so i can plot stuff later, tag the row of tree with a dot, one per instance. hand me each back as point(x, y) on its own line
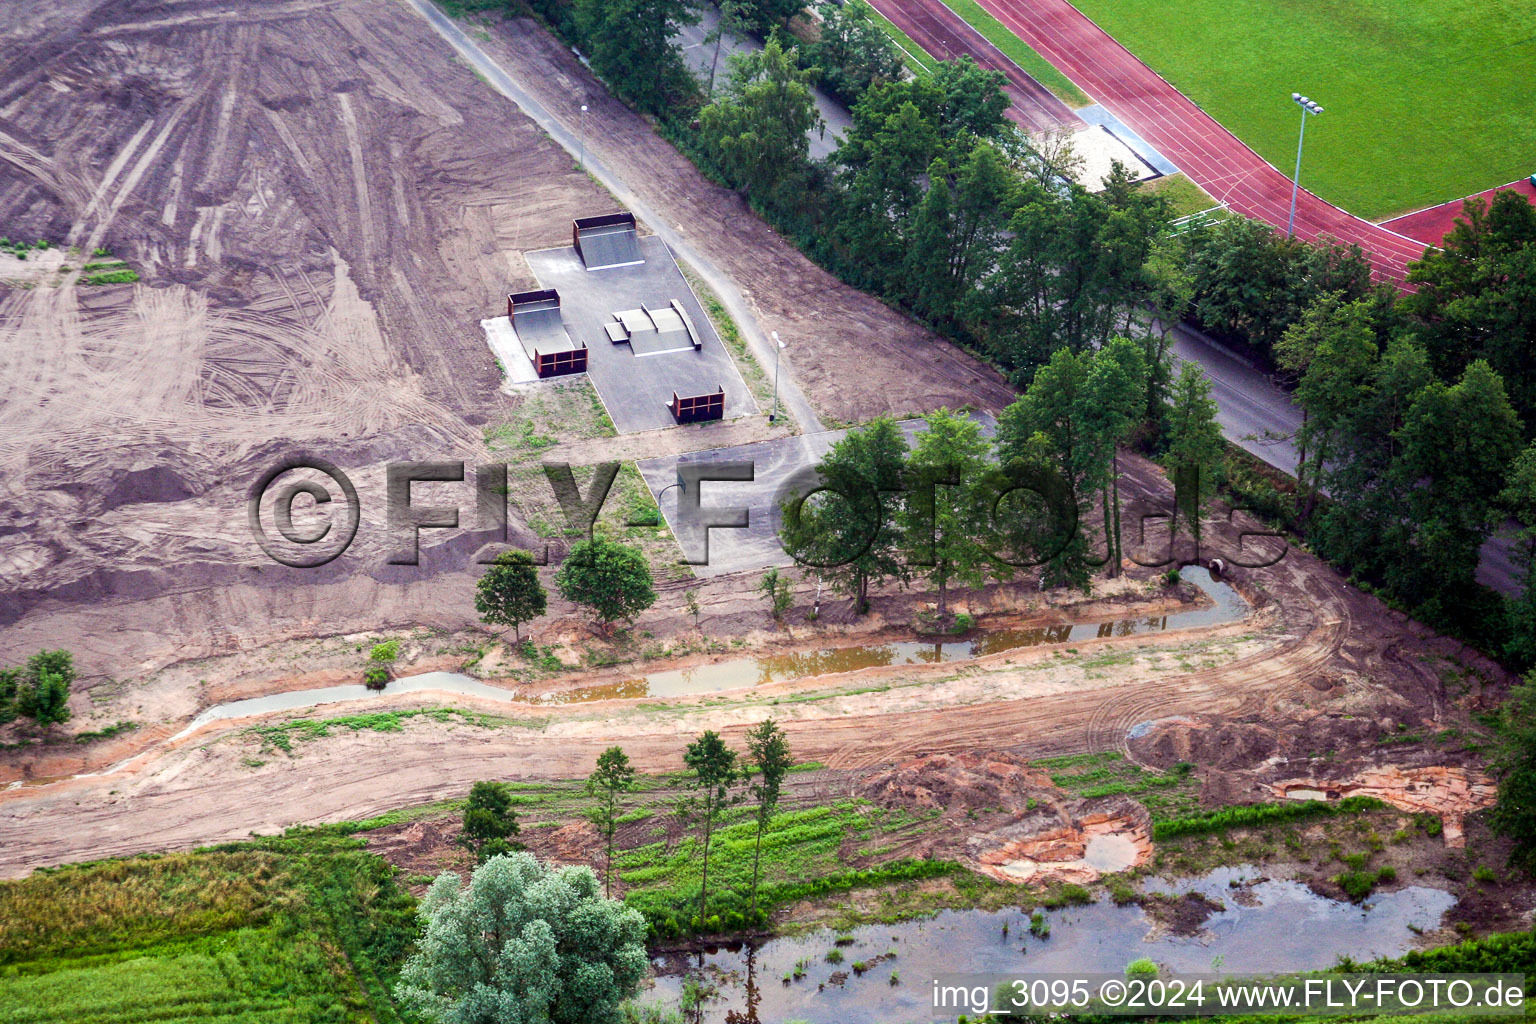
point(611, 580)
point(959, 508)
point(1418, 412)
point(719, 778)
point(39, 690)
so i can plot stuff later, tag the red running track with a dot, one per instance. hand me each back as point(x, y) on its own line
point(1185, 134)
point(1431, 225)
point(946, 35)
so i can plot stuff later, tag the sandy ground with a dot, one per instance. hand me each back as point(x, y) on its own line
point(1318, 666)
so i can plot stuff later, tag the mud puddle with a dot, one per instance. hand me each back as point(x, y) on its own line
point(1227, 606)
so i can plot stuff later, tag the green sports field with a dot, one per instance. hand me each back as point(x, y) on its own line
point(1427, 100)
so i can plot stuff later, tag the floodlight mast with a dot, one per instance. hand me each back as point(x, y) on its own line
point(1307, 107)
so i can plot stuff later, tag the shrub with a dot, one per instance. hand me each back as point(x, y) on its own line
point(1252, 815)
point(1484, 874)
point(834, 955)
point(964, 622)
point(376, 677)
point(389, 650)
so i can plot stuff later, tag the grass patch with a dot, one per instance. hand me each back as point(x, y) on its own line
point(1020, 52)
point(803, 858)
point(107, 733)
point(282, 736)
point(1168, 795)
point(1183, 195)
point(1425, 102)
point(277, 930)
point(124, 276)
point(751, 370)
point(1257, 815)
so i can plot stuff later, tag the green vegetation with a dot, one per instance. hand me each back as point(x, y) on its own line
point(124, 276)
point(776, 589)
point(1378, 149)
point(1167, 795)
point(387, 651)
point(800, 860)
point(613, 777)
point(308, 928)
point(39, 690)
point(489, 824)
point(1020, 52)
point(510, 594)
point(611, 579)
point(106, 733)
point(558, 953)
point(1253, 815)
point(282, 736)
point(375, 677)
point(1183, 196)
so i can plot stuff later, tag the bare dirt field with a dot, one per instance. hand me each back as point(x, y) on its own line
point(322, 203)
point(1316, 668)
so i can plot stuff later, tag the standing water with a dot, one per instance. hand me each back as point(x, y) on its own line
point(1280, 926)
point(1227, 606)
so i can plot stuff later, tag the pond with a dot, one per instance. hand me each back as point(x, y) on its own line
point(1267, 926)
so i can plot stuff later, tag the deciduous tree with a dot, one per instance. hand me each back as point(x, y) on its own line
point(490, 824)
point(510, 594)
point(714, 772)
point(613, 777)
point(523, 943)
point(768, 753)
point(945, 510)
point(611, 579)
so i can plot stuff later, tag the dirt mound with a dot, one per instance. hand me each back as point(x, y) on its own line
point(576, 843)
point(421, 849)
point(1448, 792)
point(1074, 842)
point(1203, 741)
point(958, 782)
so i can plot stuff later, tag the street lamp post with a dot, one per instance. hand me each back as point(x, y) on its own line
point(581, 140)
point(778, 346)
point(1307, 108)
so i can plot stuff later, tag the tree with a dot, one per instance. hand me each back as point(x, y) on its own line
point(732, 20)
point(610, 578)
point(852, 52)
point(1332, 350)
point(1112, 394)
point(846, 532)
point(956, 232)
point(510, 594)
point(765, 15)
point(714, 771)
point(1044, 429)
point(1476, 296)
point(1194, 440)
point(490, 823)
point(775, 587)
point(10, 684)
point(1519, 499)
point(972, 97)
point(946, 509)
point(758, 134)
point(630, 44)
point(768, 751)
point(42, 688)
point(523, 943)
point(613, 777)
point(1457, 444)
point(1514, 814)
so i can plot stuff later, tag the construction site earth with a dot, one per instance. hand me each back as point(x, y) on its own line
point(323, 201)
